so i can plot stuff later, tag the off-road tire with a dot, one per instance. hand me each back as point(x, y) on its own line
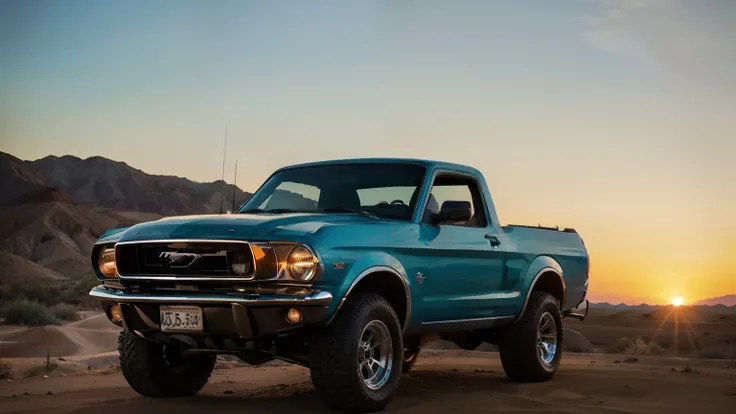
point(147, 371)
point(409, 358)
point(333, 356)
point(518, 343)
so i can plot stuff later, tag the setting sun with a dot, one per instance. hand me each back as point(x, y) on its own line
point(677, 301)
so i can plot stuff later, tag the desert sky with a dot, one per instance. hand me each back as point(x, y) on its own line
point(614, 117)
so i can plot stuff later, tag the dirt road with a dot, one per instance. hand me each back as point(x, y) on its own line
point(441, 382)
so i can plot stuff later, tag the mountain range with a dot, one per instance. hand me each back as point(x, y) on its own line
point(53, 209)
point(728, 300)
point(112, 184)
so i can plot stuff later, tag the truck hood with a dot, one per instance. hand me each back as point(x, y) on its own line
point(272, 227)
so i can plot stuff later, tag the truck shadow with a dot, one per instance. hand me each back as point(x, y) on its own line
point(417, 388)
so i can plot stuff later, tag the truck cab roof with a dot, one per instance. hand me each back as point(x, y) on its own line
point(430, 164)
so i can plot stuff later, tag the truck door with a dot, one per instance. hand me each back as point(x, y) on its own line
point(465, 260)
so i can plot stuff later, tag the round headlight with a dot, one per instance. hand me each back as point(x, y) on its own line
point(302, 264)
point(106, 262)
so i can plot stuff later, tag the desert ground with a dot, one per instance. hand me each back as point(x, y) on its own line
point(689, 372)
point(443, 381)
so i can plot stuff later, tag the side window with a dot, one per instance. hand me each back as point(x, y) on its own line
point(292, 196)
point(457, 188)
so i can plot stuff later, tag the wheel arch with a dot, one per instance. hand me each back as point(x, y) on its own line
point(387, 282)
point(547, 277)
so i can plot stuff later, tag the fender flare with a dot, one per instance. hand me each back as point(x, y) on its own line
point(549, 266)
point(375, 269)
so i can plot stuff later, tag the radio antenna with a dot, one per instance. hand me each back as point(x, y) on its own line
point(235, 183)
point(222, 181)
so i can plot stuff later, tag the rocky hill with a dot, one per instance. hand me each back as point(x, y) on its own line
point(112, 184)
point(52, 210)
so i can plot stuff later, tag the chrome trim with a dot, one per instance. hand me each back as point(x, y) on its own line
point(482, 319)
point(182, 241)
point(187, 278)
point(374, 269)
point(534, 282)
point(243, 278)
point(471, 324)
point(319, 298)
point(251, 277)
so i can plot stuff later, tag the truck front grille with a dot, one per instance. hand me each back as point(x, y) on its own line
point(188, 260)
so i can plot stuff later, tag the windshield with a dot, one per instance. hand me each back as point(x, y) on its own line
point(388, 190)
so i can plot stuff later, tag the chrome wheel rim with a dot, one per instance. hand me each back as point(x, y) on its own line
point(547, 340)
point(375, 355)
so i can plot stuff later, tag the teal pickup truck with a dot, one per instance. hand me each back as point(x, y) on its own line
point(346, 267)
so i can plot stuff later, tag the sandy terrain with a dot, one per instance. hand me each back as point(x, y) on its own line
point(445, 381)
point(89, 336)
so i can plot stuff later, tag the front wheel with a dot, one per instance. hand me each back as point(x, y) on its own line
point(531, 349)
point(159, 371)
point(355, 363)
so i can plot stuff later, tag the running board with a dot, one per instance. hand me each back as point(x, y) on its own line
point(578, 312)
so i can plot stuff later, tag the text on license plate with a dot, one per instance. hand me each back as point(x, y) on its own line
point(181, 318)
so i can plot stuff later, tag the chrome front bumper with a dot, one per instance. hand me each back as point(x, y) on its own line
point(319, 298)
point(247, 316)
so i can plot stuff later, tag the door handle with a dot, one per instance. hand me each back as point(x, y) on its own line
point(493, 240)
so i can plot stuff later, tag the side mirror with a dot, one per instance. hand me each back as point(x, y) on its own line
point(452, 211)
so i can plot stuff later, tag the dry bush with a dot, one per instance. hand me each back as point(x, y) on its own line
point(65, 312)
point(25, 312)
point(638, 346)
point(75, 292)
point(54, 368)
point(5, 371)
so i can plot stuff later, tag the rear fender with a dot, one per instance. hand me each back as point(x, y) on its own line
point(540, 266)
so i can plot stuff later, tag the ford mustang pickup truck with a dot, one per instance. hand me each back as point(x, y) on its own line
point(346, 267)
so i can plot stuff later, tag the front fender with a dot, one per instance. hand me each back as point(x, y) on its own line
point(539, 266)
point(364, 266)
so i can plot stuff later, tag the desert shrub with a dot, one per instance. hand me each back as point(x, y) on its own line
point(53, 368)
point(5, 371)
point(74, 292)
point(25, 312)
point(638, 346)
point(65, 312)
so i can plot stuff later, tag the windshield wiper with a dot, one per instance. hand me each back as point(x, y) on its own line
point(273, 211)
point(350, 210)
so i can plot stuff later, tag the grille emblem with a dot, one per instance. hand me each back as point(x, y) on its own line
point(420, 277)
point(179, 260)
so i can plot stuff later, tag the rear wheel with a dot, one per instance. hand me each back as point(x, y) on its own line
point(531, 349)
point(158, 371)
point(355, 363)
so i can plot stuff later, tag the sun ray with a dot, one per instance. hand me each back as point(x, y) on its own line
point(659, 328)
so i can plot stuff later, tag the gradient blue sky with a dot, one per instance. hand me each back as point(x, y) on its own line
point(617, 117)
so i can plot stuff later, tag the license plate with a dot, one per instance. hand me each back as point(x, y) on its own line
point(181, 318)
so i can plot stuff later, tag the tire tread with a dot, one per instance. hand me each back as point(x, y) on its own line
point(517, 345)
